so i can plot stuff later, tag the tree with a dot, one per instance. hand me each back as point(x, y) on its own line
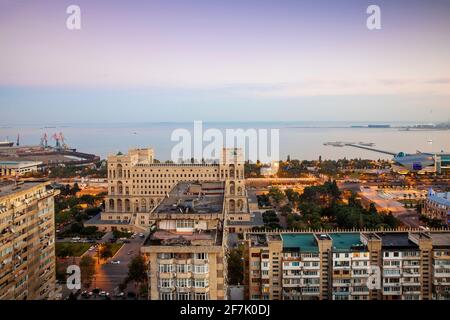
point(87, 268)
point(106, 251)
point(235, 266)
point(276, 195)
point(137, 271)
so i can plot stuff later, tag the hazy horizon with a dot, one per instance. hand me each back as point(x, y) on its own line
point(171, 61)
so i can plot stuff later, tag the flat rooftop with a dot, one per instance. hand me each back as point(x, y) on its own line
point(396, 240)
point(347, 242)
point(193, 198)
point(212, 237)
point(440, 239)
point(303, 242)
point(9, 187)
point(256, 220)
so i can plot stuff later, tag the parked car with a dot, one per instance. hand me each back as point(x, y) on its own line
point(103, 294)
point(115, 262)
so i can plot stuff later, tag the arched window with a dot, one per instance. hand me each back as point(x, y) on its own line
point(119, 205)
point(232, 188)
point(127, 205)
point(120, 187)
point(232, 206)
point(136, 205)
point(240, 205)
point(119, 171)
point(232, 173)
point(111, 204)
point(143, 205)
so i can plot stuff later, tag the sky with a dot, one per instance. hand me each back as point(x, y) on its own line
point(234, 60)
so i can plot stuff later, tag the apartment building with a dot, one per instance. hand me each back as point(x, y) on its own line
point(186, 248)
point(440, 266)
point(137, 184)
point(350, 267)
point(394, 265)
point(27, 241)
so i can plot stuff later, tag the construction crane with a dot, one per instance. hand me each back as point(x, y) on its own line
point(63, 142)
point(60, 141)
point(44, 141)
point(57, 139)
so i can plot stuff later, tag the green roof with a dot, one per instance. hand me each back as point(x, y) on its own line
point(304, 242)
point(346, 241)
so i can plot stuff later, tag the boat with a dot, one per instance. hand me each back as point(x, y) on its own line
point(6, 143)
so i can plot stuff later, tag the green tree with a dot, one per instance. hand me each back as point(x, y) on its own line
point(235, 266)
point(137, 271)
point(276, 195)
point(106, 251)
point(87, 268)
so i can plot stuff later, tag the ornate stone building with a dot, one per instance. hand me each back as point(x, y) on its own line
point(137, 184)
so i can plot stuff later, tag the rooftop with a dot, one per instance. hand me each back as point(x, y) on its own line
point(211, 237)
point(256, 220)
point(397, 240)
point(193, 198)
point(442, 198)
point(303, 242)
point(440, 239)
point(347, 241)
point(9, 187)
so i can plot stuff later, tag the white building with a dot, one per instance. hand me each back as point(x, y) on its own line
point(13, 168)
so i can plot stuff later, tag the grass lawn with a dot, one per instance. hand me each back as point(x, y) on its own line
point(68, 249)
point(116, 247)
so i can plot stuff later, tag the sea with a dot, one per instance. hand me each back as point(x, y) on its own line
point(298, 139)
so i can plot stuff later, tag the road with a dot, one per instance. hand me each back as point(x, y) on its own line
point(108, 276)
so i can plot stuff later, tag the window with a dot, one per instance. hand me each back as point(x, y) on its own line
point(166, 296)
point(201, 283)
point(183, 268)
point(201, 256)
point(165, 268)
point(165, 283)
point(202, 268)
point(201, 296)
point(183, 283)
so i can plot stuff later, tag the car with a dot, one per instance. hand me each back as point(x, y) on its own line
point(120, 295)
point(130, 252)
point(96, 291)
point(141, 235)
point(115, 261)
point(103, 294)
point(76, 239)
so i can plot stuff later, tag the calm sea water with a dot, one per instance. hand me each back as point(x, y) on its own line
point(301, 140)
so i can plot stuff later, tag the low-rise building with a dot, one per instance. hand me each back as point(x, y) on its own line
point(437, 206)
point(18, 168)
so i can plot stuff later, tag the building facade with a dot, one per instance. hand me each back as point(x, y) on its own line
point(137, 184)
point(395, 265)
point(18, 168)
point(437, 206)
point(186, 248)
point(27, 241)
